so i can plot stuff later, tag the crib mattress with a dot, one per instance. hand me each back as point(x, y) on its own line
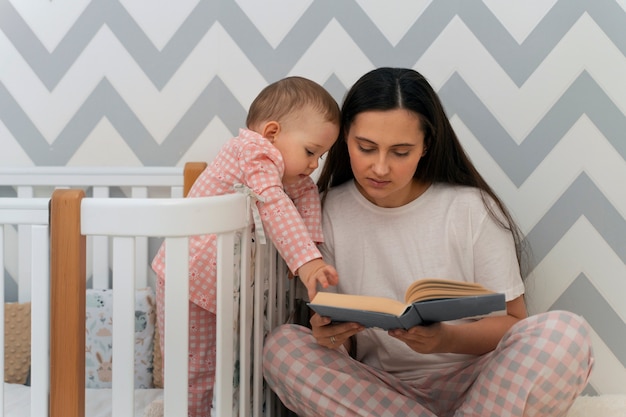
point(97, 401)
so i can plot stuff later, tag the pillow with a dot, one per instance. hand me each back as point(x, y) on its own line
point(98, 337)
point(157, 361)
point(16, 342)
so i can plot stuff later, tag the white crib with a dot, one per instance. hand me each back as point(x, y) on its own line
point(66, 387)
point(31, 215)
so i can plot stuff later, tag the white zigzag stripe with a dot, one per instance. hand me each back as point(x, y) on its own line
point(333, 52)
point(159, 20)
point(12, 152)
point(274, 18)
point(609, 374)
point(520, 17)
point(518, 109)
point(581, 249)
point(50, 20)
point(106, 58)
point(583, 148)
point(104, 146)
point(207, 145)
point(394, 17)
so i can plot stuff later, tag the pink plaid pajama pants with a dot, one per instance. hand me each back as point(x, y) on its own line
point(202, 352)
point(537, 369)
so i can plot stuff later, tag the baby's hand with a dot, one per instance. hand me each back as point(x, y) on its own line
point(317, 272)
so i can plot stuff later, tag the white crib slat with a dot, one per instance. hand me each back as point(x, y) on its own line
point(25, 191)
point(141, 246)
point(246, 301)
point(177, 192)
point(224, 327)
point(99, 262)
point(23, 262)
point(273, 305)
point(272, 299)
point(40, 324)
point(259, 286)
point(176, 327)
point(123, 326)
point(100, 250)
point(284, 286)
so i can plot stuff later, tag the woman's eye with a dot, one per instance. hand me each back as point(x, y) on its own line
point(366, 150)
point(401, 154)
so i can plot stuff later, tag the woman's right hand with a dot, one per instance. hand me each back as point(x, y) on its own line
point(333, 335)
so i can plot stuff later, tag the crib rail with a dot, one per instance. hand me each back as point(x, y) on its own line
point(99, 182)
point(32, 215)
point(176, 220)
point(28, 180)
point(263, 297)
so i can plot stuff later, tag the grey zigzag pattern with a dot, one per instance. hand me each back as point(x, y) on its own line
point(581, 297)
point(584, 96)
point(105, 101)
point(582, 198)
point(519, 60)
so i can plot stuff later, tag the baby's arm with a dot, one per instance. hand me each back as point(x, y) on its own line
point(317, 272)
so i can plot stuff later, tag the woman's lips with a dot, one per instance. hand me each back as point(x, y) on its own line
point(377, 183)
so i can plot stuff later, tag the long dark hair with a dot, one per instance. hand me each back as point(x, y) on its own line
point(445, 160)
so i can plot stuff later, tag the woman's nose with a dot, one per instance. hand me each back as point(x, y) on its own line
point(380, 166)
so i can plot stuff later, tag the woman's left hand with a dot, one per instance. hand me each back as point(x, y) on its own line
point(422, 339)
point(333, 335)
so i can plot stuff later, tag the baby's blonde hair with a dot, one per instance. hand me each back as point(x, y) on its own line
point(282, 98)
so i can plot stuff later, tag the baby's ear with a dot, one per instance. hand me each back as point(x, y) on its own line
point(270, 130)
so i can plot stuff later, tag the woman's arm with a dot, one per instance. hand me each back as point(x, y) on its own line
point(475, 338)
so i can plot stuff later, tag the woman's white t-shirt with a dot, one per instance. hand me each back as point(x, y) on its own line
point(445, 233)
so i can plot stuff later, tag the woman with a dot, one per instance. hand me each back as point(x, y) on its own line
point(402, 201)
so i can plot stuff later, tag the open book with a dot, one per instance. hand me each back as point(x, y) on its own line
point(427, 301)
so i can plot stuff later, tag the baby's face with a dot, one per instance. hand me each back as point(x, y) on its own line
point(302, 141)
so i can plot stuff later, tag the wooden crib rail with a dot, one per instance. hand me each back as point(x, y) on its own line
point(72, 218)
point(191, 173)
point(67, 305)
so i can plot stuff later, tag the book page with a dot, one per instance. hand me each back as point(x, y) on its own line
point(360, 302)
point(435, 288)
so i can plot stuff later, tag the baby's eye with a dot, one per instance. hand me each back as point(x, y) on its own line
point(309, 153)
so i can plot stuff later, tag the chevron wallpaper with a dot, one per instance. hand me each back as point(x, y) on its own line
point(535, 88)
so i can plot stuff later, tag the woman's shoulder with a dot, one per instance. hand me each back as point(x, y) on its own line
point(461, 196)
point(457, 192)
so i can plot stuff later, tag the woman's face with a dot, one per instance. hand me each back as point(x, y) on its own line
point(385, 148)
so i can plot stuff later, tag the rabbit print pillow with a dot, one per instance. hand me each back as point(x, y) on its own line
point(98, 337)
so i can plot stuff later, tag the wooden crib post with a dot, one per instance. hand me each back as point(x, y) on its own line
point(190, 174)
point(67, 305)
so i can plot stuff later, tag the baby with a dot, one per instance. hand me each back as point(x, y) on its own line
point(291, 124)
